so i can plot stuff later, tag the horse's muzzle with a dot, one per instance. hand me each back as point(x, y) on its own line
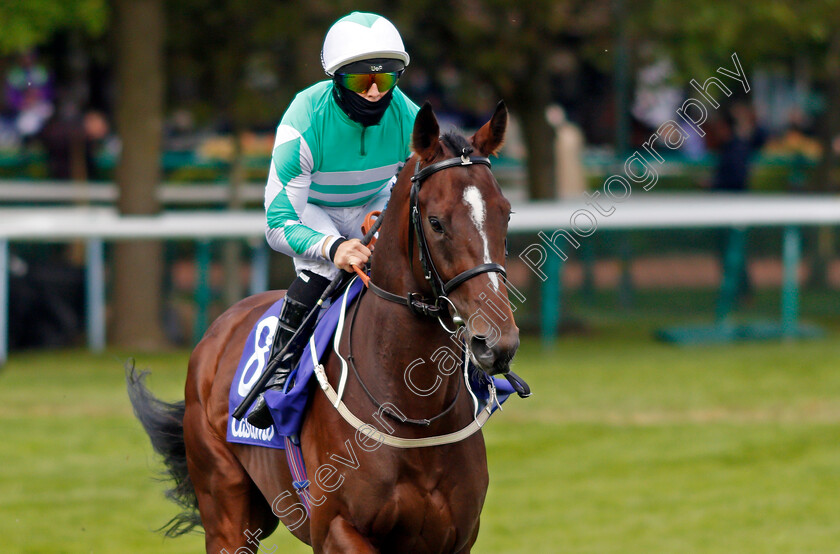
point(494, 360)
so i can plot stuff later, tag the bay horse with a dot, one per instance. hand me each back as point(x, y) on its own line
point(387, 499)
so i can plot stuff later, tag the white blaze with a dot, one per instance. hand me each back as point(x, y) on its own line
point(473, 199)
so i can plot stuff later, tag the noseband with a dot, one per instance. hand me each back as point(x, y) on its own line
point(440, 288)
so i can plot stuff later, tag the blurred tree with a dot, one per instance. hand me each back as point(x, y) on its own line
point(32, 23)
point(262, 52)
point(138, 29)
point(701, 35)
point(517, 48)
point(514, 48)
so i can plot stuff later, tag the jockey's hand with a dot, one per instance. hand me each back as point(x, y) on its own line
point(351, 252)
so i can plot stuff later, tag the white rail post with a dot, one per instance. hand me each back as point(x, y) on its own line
point(95, 294)
point(259, 266)
point(4, 301)
point(791, 253)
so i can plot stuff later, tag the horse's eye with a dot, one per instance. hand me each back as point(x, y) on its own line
point(437, 226)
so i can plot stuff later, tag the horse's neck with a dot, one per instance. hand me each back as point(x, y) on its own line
point(396, 339)
point(391, 267)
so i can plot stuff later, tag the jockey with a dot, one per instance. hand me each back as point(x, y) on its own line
point(336, 153)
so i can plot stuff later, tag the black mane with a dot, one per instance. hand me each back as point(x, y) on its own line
point(456, 142)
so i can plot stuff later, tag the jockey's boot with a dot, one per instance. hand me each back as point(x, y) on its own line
point(301, 297)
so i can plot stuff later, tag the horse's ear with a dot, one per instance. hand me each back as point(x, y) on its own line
point(489, 139)
point(425, 137)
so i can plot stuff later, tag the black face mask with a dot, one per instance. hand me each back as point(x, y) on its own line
point(360, 110)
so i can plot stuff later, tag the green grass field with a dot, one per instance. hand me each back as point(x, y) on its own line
point(626, 446)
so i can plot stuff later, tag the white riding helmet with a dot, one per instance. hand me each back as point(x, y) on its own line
point(360, 36)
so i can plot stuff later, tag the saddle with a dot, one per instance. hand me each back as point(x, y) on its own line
point(287, 406)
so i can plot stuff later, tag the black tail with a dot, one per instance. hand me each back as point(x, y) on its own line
point(164, 423)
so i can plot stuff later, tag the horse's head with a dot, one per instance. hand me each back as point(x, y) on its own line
point(464, 219)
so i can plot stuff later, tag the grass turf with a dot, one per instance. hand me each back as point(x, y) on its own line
point(627, 446)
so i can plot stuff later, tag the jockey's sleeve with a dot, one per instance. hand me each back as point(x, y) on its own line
point(287, 192)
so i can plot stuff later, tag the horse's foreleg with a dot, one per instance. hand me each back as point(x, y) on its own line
point(468, 548)
point(343, 537)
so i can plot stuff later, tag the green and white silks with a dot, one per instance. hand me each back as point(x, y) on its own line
point(324, 158)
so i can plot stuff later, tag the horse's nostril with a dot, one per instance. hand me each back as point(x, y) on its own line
point(504, 355)
point(495, 359)
point(482, 353)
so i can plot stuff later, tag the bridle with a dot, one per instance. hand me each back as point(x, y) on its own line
point(440, 288)
point(417, 304)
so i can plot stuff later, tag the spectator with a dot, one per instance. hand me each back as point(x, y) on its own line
point(70, 141)
point(63, 139)
point(739, 138)
point(96, 130)
point(29, 95)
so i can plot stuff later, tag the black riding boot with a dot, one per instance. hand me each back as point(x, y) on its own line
point(301, 297)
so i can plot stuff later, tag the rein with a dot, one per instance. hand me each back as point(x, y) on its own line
point(379, 406)
point(440, 288)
